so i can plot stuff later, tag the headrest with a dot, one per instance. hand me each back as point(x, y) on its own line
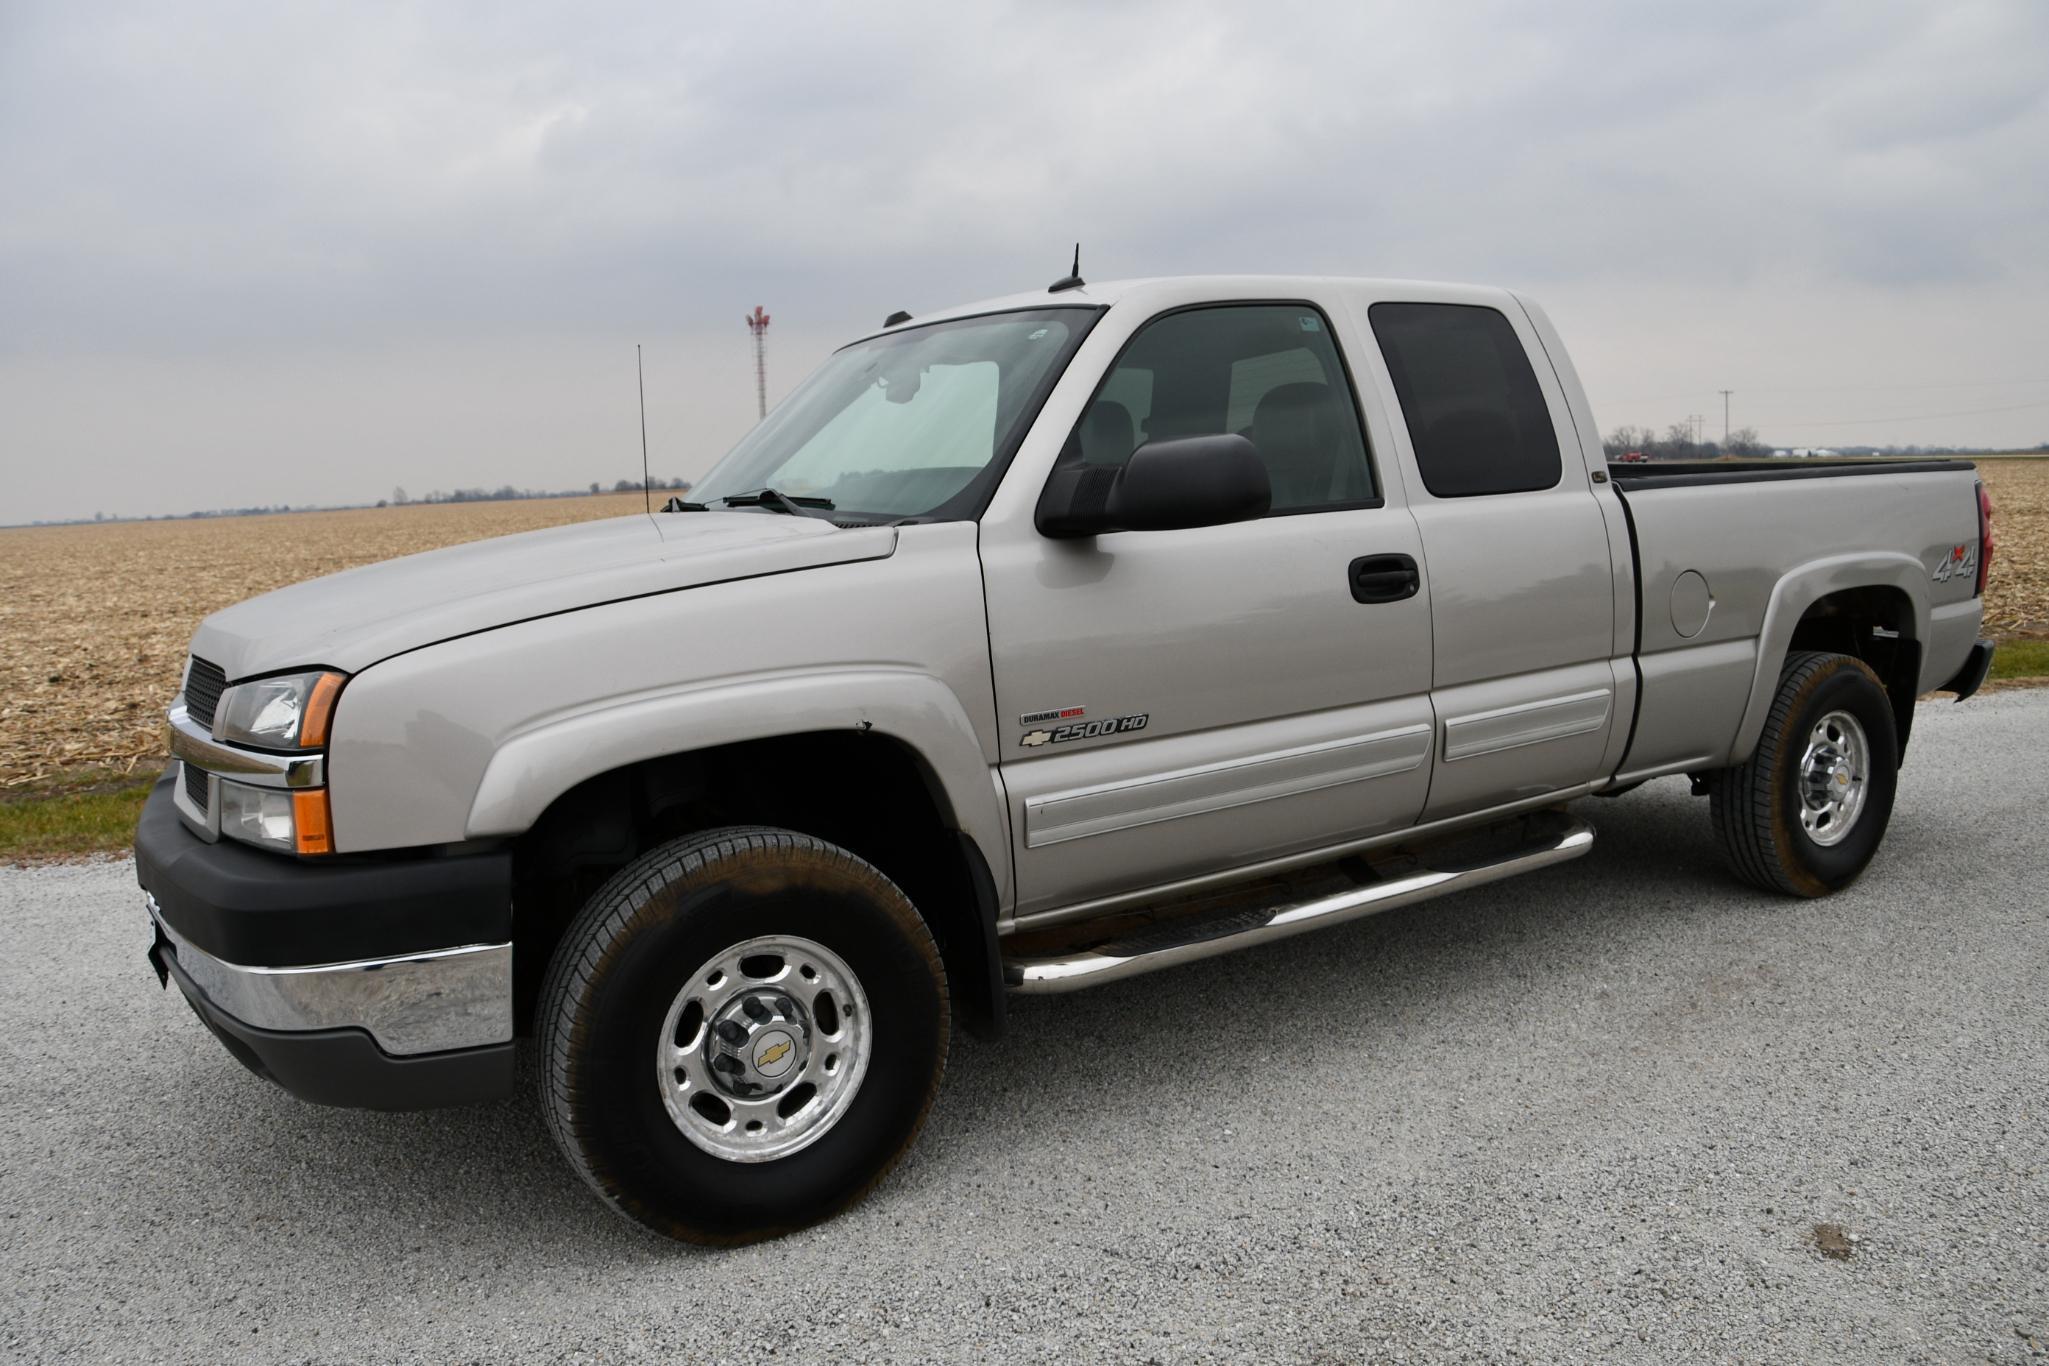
point(1108, 434)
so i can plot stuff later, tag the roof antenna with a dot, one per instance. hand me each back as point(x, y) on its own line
point(1072, 280)
point(647, 499)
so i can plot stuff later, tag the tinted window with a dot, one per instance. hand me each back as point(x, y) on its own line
point(1269, 372)
point(1475, 413)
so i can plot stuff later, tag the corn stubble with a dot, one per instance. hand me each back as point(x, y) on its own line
point(96, 619)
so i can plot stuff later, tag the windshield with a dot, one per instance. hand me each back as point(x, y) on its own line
point(915, 423)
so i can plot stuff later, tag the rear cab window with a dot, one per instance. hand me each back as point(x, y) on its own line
point(1475, 412)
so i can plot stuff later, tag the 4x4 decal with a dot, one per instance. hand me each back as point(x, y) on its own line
point(1960, 563)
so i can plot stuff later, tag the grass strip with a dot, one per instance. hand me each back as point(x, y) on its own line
point(2020, 659)
point(71, 824)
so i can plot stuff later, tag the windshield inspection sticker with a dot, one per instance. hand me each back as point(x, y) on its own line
point(1085, 730)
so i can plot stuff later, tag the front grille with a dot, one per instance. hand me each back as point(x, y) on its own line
point(195, 786)
point(204, 684)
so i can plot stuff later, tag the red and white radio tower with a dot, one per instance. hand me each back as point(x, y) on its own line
point(757, 323)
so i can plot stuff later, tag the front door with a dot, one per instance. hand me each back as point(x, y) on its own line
point(1177, 702)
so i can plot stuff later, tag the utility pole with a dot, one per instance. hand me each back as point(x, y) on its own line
point(1695, 421)
point(1725, 419)
point(757, 323)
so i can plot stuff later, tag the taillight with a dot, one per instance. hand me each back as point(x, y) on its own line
point(1984, 538)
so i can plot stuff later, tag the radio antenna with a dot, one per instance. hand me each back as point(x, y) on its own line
point(1071, 280)
point(640, 378)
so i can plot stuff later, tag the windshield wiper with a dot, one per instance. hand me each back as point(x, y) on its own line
point(793, 504)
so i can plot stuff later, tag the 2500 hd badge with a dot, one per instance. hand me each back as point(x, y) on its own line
point(1085, 730)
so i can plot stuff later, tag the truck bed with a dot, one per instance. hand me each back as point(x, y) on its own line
point(1725, 575)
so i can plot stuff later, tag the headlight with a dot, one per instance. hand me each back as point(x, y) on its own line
point(290, 711)
point(294, 821)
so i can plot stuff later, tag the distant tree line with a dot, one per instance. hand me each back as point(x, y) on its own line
point(1677, 443)
point(506, 493)
point(398, 498)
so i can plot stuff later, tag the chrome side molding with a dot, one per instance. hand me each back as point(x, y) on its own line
point(1158, 948)
point(1110, 807)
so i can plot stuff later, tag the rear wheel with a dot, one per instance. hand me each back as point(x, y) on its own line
point(742, 1032)
point(1806, 812)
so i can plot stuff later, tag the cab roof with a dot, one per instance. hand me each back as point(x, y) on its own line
point(1167, 290)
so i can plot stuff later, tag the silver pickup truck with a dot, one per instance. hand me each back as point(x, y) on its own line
point(1024, 647)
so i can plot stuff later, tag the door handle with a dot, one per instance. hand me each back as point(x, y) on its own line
point(1384, 578)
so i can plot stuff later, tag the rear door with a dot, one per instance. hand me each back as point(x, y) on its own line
point(1176, 702)
point(1525, 680)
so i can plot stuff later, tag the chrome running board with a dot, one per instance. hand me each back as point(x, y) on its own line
point(1186, 932)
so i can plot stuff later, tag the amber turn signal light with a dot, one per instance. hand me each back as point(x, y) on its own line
point(309, 822)
point(319, 710)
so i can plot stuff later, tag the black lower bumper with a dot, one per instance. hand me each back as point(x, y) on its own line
point(240, 911)
point(345, 1066)
point(1969, 678)
point(252, 906)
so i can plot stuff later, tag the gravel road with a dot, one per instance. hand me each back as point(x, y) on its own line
point(1595, 1114)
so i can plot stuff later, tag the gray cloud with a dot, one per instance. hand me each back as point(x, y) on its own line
point(451, 222)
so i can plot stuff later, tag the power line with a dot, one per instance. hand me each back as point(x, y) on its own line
point(1957, 384)
point(1910, 417)
point(2032, 382)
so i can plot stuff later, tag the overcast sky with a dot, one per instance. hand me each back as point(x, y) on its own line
point(271, 253)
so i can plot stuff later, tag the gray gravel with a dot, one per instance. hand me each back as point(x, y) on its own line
point(1596, 1114)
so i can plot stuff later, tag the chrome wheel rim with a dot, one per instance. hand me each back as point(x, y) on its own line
point(1835, 772)
point(763, 1048)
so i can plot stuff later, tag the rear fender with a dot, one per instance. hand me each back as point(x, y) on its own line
point(1799, 590)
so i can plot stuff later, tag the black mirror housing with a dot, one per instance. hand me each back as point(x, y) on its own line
point(1165, 486)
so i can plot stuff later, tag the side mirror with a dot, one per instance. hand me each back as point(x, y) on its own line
point(1164, 486)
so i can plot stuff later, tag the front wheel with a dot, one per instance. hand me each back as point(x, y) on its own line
point(1806, 812)
point(741, 1034)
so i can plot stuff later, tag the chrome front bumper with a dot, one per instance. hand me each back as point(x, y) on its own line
point(430, 1002)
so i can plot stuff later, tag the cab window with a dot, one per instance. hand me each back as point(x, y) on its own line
point(1475, 412)
point(1268, 372)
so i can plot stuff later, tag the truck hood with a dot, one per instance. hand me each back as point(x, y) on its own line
point(350, 620)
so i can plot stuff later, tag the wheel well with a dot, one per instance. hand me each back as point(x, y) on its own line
point(1876, 625)
point(868, 793)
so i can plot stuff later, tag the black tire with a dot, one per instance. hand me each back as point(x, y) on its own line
point(617, 972)
point(1757, 804)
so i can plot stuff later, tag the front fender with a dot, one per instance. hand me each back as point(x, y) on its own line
point(1799, 590)
point(538, 764)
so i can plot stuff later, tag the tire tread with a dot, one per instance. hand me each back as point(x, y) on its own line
point(604, 922)
point(1743, 800)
